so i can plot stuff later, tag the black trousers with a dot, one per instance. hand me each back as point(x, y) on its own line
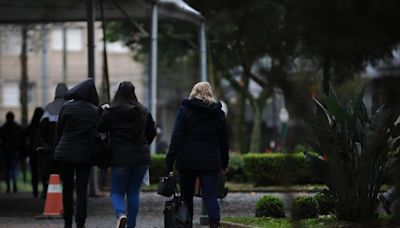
point(208, 183)
point(76, 176)
point(33, 162)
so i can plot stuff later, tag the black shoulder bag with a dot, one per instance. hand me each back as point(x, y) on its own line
point(176, 213)
point(100, 153)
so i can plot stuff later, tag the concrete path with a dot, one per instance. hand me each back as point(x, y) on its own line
point(18, 210)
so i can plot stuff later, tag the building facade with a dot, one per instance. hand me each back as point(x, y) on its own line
point(46, 66)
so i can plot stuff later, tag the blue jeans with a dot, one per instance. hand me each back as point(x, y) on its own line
point(208, 183)
point(127, 181)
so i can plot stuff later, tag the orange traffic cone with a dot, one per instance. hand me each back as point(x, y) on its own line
point(54, 206)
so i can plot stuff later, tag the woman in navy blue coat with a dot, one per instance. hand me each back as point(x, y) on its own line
point(199, 148)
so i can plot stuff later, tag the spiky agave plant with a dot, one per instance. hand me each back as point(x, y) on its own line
point(358, 153)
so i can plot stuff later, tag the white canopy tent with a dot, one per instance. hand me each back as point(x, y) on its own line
point(49, 11)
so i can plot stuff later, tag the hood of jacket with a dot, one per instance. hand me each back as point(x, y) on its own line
point(204, 110)
point(85, 90)
point(61, 90)
point(52, 110)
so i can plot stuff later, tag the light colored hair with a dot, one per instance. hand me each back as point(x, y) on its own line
point(203, 91)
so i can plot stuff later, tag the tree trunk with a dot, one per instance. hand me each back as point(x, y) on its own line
point(24, 78)
point(244, 148)
point(326, 74)
point(255, 144)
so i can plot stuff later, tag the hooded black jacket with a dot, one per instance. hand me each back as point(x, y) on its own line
point(131, 132)
point(199, 140)
point(49, 119)
point(76, 122)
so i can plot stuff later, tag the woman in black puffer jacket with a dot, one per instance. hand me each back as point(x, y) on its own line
point(132, 129)
point(199, 145)
point(77, 119)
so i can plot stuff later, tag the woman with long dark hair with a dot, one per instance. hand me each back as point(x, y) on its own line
point(132, 129)
point(34, 140)
point(199, 148)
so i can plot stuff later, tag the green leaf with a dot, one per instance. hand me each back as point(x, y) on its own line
point(336, 110)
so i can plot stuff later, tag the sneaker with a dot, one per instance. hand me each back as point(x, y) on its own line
point(385, 203)
point(121, 221)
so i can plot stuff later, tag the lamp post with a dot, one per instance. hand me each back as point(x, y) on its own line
point(284, 119)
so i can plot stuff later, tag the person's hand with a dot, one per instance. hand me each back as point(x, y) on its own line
point(104, 106)
point(169, 173)
point(225, 171)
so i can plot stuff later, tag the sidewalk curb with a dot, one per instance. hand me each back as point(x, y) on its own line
point(234, 225)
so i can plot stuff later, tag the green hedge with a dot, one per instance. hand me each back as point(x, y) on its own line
point(235, 167)
point(157, 167)
point(279, 168)
point(260, 169)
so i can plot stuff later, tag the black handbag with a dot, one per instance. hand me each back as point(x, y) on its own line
point(167, 186)
point(176, 213)
point(101, 150)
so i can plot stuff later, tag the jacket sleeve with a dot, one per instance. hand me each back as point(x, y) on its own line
point(177, 140)
point(150, 131)
point(60, 125)
point(224, 144)
point(104, 121)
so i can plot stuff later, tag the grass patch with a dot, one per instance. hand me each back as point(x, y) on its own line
point(322, 221)
point(265, 222)
point(248, 187)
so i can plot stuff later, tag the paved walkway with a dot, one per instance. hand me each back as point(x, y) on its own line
point(18, 210)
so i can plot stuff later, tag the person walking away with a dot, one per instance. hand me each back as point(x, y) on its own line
point(48, 130)
point(34, 140)
point(132, 129)
point(77, 120)
point(12, 146)
point(199, 148)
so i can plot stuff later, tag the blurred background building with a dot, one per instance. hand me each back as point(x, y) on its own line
point(45, 63)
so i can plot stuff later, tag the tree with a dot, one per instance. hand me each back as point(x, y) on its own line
point(344, 35)
point(240, 33)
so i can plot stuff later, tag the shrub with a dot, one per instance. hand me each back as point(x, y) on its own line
point(279, 168)
point(326, 203)
point(270, 206)
point(236, 172)
point(157, 167)
point(305, 207)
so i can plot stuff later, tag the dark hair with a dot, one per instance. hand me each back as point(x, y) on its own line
point(37, 115)
point(125, 95)
point(10, 116)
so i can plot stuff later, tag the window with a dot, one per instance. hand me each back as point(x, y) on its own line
point(11, 94)
point(11, 42)
point(74, 39)
point(116, 47)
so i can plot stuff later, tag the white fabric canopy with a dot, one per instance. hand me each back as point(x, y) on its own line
point(46, 11)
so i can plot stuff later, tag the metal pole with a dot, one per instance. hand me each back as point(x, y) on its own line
point(153, 66)
point(203, 77)
point(203, 53)
point(64, 54)
point(91, 18)
point(44, 65)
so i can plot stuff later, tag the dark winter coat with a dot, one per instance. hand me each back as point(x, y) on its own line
point(131, 132)
point(33, 135)
point(12, 141)
point(49, 120)
point(199, 139)
point(77, 120)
